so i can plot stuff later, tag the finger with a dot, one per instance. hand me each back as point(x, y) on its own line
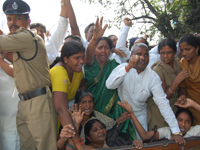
point(76, 107)
point(101, 21)
point(177, 104)
point(73, 108)
point(105, 28)
point(97, 21)
point(125, 102)
point(70, 112)
point(79, 108)
point(124, 54)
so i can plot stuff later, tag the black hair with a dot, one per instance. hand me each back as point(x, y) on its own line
point(145, 41)
point(186, 111)
point(34, 25)
point(167, 42)
point(87, 28)
point(74, 37)
point(108, 40)
point(70, 48)
point(190, 39)
point(26, 16)
point(88, 127)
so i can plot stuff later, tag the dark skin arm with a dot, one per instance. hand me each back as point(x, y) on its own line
point(64, 11)
point(66, 133)
point(82, 85)
point(179, 78)
point(61, 107)
point(72, 19)
point(98, 32)
point(142, 132)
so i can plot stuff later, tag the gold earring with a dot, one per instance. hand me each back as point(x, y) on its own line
point(197, 52)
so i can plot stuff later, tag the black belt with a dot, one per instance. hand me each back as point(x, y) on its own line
point(32, 94)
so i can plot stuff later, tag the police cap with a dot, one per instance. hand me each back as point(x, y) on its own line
point(15, 7)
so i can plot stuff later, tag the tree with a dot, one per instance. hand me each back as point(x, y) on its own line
point(166, 16)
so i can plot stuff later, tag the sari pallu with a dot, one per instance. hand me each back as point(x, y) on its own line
point(106, 99)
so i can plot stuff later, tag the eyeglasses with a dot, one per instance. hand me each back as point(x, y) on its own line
point(168, 52)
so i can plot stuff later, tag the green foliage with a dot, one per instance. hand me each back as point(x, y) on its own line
point(172, 18)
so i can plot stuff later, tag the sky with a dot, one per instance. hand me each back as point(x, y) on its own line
point(48, 11)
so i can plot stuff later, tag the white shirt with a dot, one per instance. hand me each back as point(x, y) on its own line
point(165, 132)
point(137, 88)
point(8, 102)
point(56, 40)
point(121, 44)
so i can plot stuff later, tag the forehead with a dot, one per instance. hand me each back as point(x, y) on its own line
point(88, 97)
point(39, 28)
point(166, 48)
point(102, 42)
point(97, 123)
point(91, 28)
point(184, 116)
point(14, 15)
point(140, 41)
point(184, 44)
point(140, 50)
point(113, 37)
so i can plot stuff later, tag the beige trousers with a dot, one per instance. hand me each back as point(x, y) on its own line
point(36, 123)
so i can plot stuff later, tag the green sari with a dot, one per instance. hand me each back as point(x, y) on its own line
point(106, 99)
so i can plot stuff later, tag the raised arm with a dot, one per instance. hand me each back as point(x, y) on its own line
point(118, 74)
point(98, 32)
point(72, 19)
point(142, 132)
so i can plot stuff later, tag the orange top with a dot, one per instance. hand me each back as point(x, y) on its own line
point(192, 85)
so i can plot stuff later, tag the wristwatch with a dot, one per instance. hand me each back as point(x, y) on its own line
point(178, 133)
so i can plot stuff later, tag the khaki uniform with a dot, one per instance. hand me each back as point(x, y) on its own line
point(36, 117)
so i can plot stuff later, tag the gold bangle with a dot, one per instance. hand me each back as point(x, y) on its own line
point(171, 91)
point(178, 133)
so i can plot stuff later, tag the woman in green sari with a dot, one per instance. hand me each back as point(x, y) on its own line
point(97, 69)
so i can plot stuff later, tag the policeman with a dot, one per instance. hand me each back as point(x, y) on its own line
point(36, 117)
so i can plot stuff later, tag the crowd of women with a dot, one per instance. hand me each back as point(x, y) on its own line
point(98, 114)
